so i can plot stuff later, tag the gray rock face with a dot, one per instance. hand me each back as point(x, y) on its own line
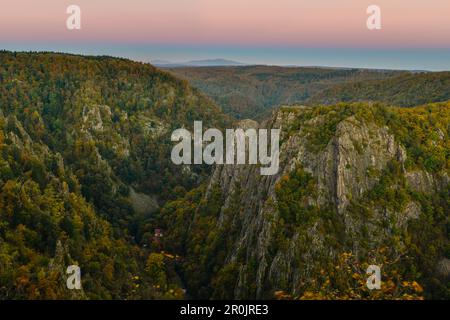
point(350, 162)
point(143, 203)
point(425, 182)
point(345, 169)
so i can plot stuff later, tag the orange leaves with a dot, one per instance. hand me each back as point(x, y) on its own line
point(281, 295)
point(346, 279)
point(417, 288)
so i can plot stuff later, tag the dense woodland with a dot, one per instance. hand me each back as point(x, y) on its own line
point(254, 91)
point(410, 256)
point(85, 145)
point(404, 90)
point(76, 134)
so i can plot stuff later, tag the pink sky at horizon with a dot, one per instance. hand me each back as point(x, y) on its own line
point(314, 23)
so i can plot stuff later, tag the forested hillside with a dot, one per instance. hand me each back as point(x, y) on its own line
point(358, 185)
point(253, 91)
point(402, 90)
point(86, 178)
point(84, 158)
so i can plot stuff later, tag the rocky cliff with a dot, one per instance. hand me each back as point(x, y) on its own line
point(350, 183)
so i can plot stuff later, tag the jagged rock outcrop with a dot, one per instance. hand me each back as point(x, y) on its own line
point(345, 170)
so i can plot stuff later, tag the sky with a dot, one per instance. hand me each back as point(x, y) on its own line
point(415, 34)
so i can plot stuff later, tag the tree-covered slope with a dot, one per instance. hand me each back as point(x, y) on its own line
point(253, 91)
point(84, 157)
point(86, 177)
point(403, 90)
point(359, 185)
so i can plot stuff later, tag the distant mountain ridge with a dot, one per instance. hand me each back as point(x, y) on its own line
point(196, 63)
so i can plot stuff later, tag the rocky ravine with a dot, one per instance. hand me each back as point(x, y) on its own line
point(349, 165)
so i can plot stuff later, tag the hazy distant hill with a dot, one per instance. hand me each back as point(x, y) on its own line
point(252, 91)
point(196, 63)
